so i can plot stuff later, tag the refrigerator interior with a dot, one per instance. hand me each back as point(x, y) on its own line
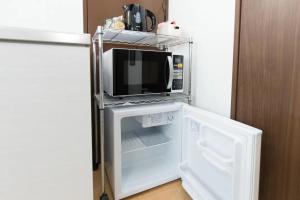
point(151, 149)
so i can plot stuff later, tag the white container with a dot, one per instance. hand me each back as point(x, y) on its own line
point(167, 28)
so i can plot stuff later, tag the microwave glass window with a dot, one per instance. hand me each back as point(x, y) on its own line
point(140, 72)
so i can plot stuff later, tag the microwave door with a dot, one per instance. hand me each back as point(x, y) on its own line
point(141, 72)
point(135, 72)
point(128, 70)
point(154, 72)
point(170, 74)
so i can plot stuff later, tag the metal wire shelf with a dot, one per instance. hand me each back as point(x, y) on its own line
point(142, 100)
point(101, 100)
point(137, 38)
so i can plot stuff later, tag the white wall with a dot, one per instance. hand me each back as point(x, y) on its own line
point(211, 24)
point(53, 15)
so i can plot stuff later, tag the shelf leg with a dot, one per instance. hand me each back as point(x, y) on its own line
point(102, 150)
point(103, 196)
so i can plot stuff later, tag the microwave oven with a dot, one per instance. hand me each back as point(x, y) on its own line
point(129, 72)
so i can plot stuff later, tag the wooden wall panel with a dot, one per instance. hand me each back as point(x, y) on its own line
point(99, 10)
point(236, 53)
point(268, 90)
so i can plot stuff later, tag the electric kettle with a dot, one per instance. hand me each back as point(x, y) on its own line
point(135, 18)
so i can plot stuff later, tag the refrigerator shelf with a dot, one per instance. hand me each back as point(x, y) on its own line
point(138, 38)
point(147, 173)
point(142, 100)
point(143, 139)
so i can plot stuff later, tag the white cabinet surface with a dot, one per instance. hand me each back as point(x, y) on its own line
point(45, 119)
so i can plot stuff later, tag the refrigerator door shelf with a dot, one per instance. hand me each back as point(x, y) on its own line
point(220, 157)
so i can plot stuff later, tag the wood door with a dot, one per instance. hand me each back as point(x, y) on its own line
point(267, 93)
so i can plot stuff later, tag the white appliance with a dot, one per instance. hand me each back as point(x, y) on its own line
point(146, 146)
point(45, 120)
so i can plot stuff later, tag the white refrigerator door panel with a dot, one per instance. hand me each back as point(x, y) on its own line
point(220, 157)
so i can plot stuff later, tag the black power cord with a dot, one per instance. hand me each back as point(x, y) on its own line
point(104, 196)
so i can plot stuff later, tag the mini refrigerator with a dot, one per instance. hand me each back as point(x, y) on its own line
point(149, 145)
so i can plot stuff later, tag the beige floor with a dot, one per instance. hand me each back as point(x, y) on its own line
point(172, 191)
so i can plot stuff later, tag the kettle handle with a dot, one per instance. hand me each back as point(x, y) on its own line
point(153, 20)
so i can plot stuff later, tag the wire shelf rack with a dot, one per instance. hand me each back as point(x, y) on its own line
point(138, 38)
point(142, 100)
point(102, 100)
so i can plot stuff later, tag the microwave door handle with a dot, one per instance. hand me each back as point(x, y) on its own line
point(170, 61)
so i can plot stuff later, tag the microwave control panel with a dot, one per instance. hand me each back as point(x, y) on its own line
point(177, 84)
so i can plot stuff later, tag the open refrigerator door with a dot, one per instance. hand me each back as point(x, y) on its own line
point(220, 157)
